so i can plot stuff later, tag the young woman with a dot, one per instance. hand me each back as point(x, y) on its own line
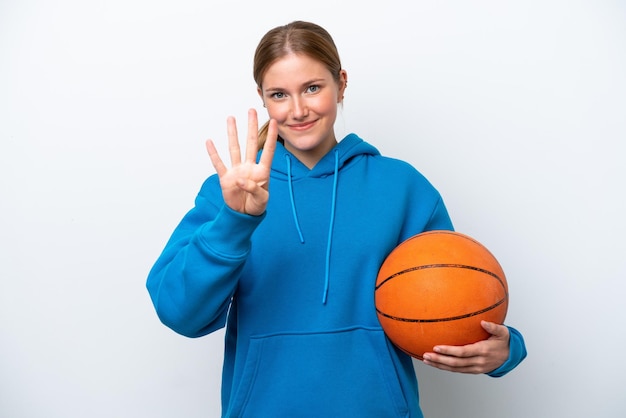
point(283, 248)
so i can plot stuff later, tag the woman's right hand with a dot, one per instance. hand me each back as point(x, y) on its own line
point(245, 184)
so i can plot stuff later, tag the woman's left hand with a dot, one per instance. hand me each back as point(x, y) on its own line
point(481, 357)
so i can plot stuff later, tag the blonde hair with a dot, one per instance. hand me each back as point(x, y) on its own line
point(296, 37)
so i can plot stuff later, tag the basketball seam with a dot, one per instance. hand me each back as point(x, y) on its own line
point(451, 318)
point(442, 265)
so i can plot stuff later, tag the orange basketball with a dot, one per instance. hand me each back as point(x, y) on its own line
point(435, 288)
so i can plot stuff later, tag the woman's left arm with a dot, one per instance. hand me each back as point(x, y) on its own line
point(496, 356)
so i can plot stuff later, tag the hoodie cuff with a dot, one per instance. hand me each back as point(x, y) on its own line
point(517, 353)
point(229, 234)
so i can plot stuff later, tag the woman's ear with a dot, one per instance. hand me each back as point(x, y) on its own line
point(260, 92)
point(343, 83)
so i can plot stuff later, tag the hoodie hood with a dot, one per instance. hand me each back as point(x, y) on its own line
point(348, 148)
point(287, 167)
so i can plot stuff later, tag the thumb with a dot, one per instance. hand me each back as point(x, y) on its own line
point(498, 331)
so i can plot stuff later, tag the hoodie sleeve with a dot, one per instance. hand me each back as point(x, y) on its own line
point(517, 353)
point(194, 278)
point(439, 218)
point(517, 348)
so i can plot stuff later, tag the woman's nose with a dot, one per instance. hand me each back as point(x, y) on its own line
point(299, 108)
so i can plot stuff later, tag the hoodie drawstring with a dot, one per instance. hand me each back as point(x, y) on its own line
point(330, 229)
point(332, 219)
point(293, 203)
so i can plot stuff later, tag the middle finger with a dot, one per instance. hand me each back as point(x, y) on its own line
point(252, 146)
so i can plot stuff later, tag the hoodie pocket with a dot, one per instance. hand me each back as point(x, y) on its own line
point(346, 373)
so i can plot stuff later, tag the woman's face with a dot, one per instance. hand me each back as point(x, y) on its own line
point(302, 96)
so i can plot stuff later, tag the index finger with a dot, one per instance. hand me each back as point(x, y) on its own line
point(461, 351)
point(270, 144)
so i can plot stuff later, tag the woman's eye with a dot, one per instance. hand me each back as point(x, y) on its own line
point(313, 88)
point(278, 95)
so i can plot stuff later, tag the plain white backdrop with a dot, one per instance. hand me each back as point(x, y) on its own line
point(516, 111)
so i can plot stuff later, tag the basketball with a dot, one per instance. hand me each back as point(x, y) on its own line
point(435, 288)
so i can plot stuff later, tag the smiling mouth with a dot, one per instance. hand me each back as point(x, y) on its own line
point(302, 126)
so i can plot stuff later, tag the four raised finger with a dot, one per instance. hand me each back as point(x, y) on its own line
point(270, 145)
point(233, 141)
point(252, 144)
point(220, 167)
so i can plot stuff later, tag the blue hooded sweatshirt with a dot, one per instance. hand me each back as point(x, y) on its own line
point(295, 286)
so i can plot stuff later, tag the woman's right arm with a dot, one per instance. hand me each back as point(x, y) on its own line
point(192, 282)
point(194, 278)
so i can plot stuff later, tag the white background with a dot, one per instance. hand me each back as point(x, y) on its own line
point(516, 111)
